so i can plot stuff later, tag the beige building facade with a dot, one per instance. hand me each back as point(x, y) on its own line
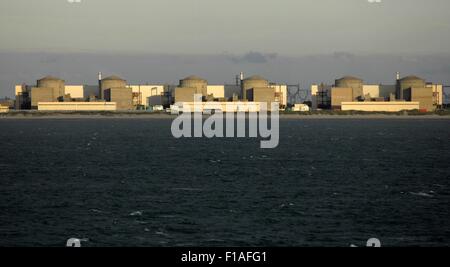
point(281, 93)
point(339, 95)
point(380, 106)
point(146, 95)
point(226, 107)
point(4, 109)
point(77, 106)
point(261, 94)
point(75, 91)
point(424, 96)
point(123, 97)
point(217, 91)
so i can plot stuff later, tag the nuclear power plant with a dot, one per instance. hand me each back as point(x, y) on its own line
point(351, 94)
point(113, 93)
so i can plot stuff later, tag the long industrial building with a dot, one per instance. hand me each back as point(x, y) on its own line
point(114, 93)
point(350, 93)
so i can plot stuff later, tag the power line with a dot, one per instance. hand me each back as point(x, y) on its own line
point(297, 95)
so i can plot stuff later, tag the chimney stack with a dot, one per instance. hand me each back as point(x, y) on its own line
point(100, 85)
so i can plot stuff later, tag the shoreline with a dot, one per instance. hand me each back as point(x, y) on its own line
point(161, 116)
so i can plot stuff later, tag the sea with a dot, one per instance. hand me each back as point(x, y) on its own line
point(119, 182)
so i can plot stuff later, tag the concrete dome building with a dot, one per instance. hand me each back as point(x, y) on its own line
point(111, 82)
point(412, 81)
point(56, 84)
point(49, 80)
point(348, 80)
point(48, 89)
point(200, 84)
point(255, 81)
point(407, 83)
point(354, 83)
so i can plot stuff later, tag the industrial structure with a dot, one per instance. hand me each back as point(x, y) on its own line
point(350, 93)
point(113, 93)
point(245, 96)
point(6, 104)
point(4, 109)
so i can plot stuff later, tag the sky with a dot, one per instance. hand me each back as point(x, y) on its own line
point(288, 27)
point(281, 39)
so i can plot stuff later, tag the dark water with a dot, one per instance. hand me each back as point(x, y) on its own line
point(125, 182)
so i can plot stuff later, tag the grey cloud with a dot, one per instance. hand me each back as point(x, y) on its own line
point(253, 58)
